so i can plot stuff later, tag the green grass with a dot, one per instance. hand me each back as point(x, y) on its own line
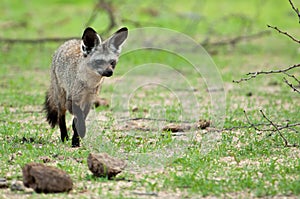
point(237, 163)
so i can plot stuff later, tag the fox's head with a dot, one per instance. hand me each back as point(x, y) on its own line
point(102, 57)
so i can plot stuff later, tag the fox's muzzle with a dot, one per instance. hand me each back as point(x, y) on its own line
point(107, 73)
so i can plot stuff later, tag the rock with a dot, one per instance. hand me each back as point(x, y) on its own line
point(17, 186)
point(135, 109)
point(103, 165)
point(203, 124)
point(46, 179)
point(3, 183)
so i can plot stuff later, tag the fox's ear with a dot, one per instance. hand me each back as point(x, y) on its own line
point(90, 39)
point(117, 39)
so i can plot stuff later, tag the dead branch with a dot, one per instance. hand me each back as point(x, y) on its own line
point(153, 119)
point(291, 85)
point(284, 33)
point(235, 40)
point(295, 9)
point(277, 128)
point(286, 144)
point(108, 8)
point(265, 129)
point(292, 76)
point(252, 75)
point(36, 41)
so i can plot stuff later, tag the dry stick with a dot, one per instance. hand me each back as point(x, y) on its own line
point(35, 41)
point(284, 33)
point(255, 74)
point(251, 124)
point(287, 126)
point(112, 24)
point(292, 76)
point(102, 4)
point(153, 119)
point(93, 16)
point(286, 144)
point(291, 85)
point(233, 41)
point(295, 9)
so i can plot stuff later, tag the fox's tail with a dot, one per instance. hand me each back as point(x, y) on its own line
point(51, 110)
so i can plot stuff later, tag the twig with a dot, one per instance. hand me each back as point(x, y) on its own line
point(285, 33)
point(288, 126)
point(255, 74)
point(277, 128)
point(292, 76)
point(235, 40)
point(36, 41)
point(291, 85)
point(93, 16)
point(152, 119)
point(286, 144)
point(295, 9)
point(251, 124)
point(280, 127)
point(107, 7)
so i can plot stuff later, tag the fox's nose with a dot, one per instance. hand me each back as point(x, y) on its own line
point(107, 73)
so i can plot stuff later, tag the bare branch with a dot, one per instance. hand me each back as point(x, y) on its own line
point(252, 75)
point(36, 41)
point(292, 76)
point(295, 9)
point(251, 124)
point(235, 40)
point(108, 8)
point(284, 33)
point(291, 85)
point(255, 126)
point(286, 144)
point(277, 128)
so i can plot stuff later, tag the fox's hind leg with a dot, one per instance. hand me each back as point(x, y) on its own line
point(55, 114)
point(63, 127)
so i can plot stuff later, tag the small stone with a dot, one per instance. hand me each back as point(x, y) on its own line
point(103, 165)
point(135, 109)
point(203, 124)
point(46, 179)
point(17, 186)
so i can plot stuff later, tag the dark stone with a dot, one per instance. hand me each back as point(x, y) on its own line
point(203, 124)
point(102, 165)
point(46, 179)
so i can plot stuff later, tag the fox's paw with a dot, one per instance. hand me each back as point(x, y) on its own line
point(75, 142)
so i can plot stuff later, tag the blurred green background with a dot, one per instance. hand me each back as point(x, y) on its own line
point(255, 163)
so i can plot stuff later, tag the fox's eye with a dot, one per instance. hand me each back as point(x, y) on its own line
point(113, 63)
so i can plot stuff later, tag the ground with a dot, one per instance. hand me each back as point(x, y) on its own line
point(214, 162)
